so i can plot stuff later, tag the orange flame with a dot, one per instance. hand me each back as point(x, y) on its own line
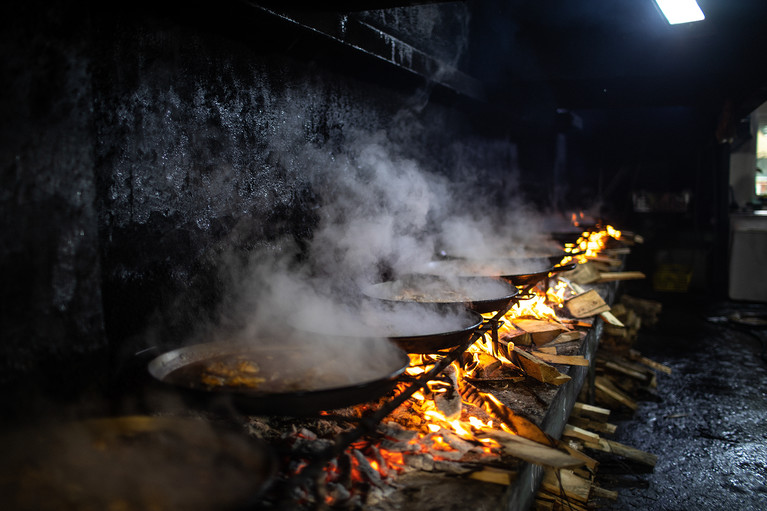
point(590, 244)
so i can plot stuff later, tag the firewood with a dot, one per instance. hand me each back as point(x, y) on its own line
point(573, 360)
point(533, 452)
point(538, 369)
point(541, 504)
point(586, 304)
point(592, 412)
point(612, 276)
point(564, 337)
point(580, 434)
point(624, 451)
point(626, 370)
point(494, 475)
point(601, 493)
point(597, 427)
point(610, 319)
point(558, 503)
point(589, 462)
point(490, 404)
point(616, 331)
point(606, 260)
point(635, 355)
point(608, 389)
point(584, 273)
point(575, 488)
point(540, 331)
point(550, 350)
point(648, 310)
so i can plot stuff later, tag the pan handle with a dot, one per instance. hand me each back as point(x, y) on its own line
point(564, 267)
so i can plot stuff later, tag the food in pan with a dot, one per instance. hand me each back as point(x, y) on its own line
point(237, 372)
point(431, 295)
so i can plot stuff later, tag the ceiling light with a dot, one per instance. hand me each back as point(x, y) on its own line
point(680, 11)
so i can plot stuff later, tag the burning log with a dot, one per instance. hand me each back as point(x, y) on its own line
point(538, 369)
point(516, 423)
point(534, 331)
point(534, 452)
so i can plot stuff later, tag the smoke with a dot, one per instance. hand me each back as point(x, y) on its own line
point(382, 214)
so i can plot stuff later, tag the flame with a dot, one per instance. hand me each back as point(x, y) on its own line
point(590, 244)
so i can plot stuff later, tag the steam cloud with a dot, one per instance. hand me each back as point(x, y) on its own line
point(382, 214)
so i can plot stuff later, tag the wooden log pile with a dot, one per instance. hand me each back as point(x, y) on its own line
point(622, 374)
point(580, 488)
point(622, 378)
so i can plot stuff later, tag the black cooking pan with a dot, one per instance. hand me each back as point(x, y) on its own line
point(414, 327)
point(522, 272)
point(284, 375)
point(480, 294)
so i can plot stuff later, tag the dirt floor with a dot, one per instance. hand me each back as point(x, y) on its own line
point(708, 422)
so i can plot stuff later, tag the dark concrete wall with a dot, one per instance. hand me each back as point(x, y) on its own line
point(141, 146)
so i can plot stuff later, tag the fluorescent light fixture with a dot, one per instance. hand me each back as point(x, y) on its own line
point(680, 11)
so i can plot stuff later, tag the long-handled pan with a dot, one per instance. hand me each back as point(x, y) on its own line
point(480, 294)
point(522, 272)
point(290, 375)
point(414, 327)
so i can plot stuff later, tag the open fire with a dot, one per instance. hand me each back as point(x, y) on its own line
point(453, 423)
point(447, 426)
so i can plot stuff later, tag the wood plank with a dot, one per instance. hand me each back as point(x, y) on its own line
point(592, 412)
point(560, 504)
point(533, 452)
point(540, 331)
point(580, 434)
point(626, 371)
point(564, 337)
point(604, 385)
point(572, 360)
point(494, 475)
point(575, 487)
point(602, 493)
point(613, 276)
point(591, 425)
point(590, 462)
point(636, 356)
point(606, 260)
point(584, 273)
point(625, 451)
point(586, 304)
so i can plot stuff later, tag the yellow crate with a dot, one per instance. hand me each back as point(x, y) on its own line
point(674, 278)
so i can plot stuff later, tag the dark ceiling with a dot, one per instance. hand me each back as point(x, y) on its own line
point(596, 54)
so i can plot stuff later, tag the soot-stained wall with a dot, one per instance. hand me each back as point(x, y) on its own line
point(138, 149)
